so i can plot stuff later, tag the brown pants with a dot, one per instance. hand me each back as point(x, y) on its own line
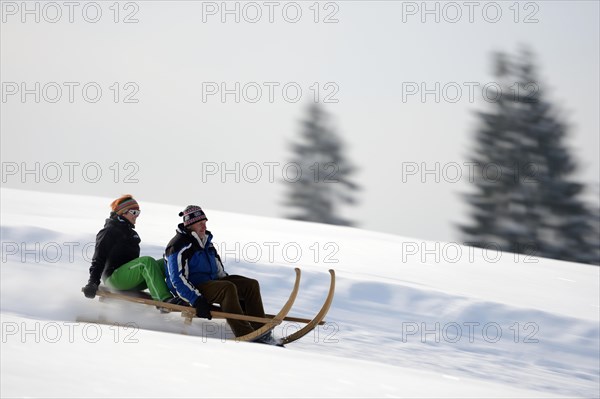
point(228, 292)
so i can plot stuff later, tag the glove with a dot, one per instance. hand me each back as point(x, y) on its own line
point(90, 290)
point(202, 308)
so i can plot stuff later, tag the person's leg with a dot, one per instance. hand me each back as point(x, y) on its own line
point(161, 266)
point(225, 294)
point(144, 270)
point(248, 290)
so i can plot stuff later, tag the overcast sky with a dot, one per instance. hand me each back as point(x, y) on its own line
point(135, 91)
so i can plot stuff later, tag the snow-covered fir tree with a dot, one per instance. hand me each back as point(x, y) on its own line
point(525, 200)
point(319, 180)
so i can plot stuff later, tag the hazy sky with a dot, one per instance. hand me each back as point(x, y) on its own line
point(169, 121)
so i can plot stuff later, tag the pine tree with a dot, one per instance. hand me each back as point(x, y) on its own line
point(525, 200)
point(322, 181)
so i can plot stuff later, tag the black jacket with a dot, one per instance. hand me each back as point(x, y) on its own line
point(116, 244)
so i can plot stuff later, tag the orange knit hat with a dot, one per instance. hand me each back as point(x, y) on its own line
point(123, 204)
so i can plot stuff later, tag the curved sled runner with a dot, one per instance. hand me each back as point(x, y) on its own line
point(318, 319)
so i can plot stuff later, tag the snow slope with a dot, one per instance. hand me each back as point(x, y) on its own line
point(410, 318)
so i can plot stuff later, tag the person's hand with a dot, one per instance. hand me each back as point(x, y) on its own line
point(202, 308)
point(90, 290)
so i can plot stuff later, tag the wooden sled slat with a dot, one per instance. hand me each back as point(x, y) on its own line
point(186, 311)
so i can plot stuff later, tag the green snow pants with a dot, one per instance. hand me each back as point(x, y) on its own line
point(139, 274)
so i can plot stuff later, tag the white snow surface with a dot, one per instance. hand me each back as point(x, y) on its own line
point(410, 318)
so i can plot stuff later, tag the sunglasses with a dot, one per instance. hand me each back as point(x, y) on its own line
point(134, 212)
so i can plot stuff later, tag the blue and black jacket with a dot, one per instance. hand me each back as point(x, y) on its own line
point(189, 262)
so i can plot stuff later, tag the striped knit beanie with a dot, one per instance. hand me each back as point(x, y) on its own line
point(123, 204)
point(192, 214)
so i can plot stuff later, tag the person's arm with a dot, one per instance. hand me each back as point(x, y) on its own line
point(178, 272)
point(104, 243)
point(222, 273)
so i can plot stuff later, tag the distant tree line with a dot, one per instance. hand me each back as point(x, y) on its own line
point(534, 206)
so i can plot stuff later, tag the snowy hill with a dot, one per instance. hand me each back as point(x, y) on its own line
point(410, 318)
